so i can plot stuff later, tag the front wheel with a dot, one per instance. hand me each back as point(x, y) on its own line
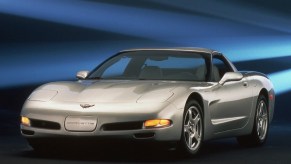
point(192, 130)
point(261, 125)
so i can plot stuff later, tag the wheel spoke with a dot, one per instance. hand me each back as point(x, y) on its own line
point(196, 137)
point(265, 117)
point(260, 112)
point(186, 134)
point(264, 127)
point(186, 128)
point(196, 119)
point(191, 116)
point(258, 127)
point(259, 130)
point(262, 131)
point(261, 109)
point(190, 138)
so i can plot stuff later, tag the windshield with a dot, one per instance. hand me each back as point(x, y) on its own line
point(154, 65)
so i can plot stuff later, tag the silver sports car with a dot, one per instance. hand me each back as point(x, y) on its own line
point(185, 95)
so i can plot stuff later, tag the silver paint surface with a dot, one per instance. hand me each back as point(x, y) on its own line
point(228, 107)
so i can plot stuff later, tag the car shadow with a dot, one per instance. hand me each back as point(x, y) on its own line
point(136, 153)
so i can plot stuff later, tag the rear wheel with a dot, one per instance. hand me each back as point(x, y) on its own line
point(261, 125)
point(192, 131)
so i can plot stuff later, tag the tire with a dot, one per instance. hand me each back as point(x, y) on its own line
point(192, 131)
point(261, 125)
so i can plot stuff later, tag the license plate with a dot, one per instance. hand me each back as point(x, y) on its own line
point(81, 123)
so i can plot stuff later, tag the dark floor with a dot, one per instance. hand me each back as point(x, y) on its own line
point(14, 149)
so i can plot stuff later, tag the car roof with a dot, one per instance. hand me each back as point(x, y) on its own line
point(190, 49)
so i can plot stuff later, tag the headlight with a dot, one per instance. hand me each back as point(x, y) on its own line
point(157, 123)
point(42, 95)
point(25, 121)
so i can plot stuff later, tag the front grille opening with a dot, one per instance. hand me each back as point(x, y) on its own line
point(27, 132)
point(45, 124)
point(144, 135)
point(122, 126)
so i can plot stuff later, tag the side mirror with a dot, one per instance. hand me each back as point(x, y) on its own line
point(230, 76)
point(82, 74)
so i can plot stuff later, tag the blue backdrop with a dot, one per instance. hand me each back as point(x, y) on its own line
point(49, 40)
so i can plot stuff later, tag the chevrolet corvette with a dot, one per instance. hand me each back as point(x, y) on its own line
point(182, 95)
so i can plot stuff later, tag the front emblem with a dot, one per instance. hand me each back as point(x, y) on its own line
point(86, 105)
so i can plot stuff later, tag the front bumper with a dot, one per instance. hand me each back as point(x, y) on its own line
point(106, 114)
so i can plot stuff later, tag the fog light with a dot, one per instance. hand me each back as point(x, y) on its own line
point(25, 121)
point(156, 123)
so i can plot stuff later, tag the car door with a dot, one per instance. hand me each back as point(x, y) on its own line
point(232, 101)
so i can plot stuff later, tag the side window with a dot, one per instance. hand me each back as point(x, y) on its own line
point(219, 69)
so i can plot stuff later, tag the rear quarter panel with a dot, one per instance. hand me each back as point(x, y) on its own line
point(260, 82)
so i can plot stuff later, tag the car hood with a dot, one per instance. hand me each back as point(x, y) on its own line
point(110, 91)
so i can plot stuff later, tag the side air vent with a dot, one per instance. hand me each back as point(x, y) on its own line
point(144, 135)
point(27, 132)
point(122, 126)
point(45, 124)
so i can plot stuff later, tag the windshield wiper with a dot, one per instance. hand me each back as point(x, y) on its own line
point(95, 78)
